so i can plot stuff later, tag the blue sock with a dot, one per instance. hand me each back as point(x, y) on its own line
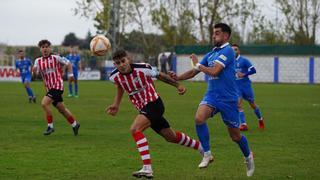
point(244, 146)
point(76, 88)
point(258, 113)
point(242, 117)
point(203, 135)
point(29, 91)
point(70, 88)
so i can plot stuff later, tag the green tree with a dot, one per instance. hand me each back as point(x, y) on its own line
point(70, 40)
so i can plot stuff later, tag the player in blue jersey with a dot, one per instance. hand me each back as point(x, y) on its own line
point(23, 65)
point(244, 69)
point(221, 95)
point(75, 59)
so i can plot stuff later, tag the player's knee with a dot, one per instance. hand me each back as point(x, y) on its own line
point(200, 119)
point(133, 130)
point(235, 137)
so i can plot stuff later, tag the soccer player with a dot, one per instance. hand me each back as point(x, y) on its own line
point(75, 59)
point(244, 69)
point(24, 65)
point(221, 95)
point(49, 66)
point(136, 80)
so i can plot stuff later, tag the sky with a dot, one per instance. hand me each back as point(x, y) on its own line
point(25, 22)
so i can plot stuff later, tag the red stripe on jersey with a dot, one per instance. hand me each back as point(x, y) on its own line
point(138, 85)
point(143, 81)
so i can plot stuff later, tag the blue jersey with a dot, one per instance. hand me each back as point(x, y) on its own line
point(243, 65)
point(24, 67)
point(222, 87)
point(74, 59)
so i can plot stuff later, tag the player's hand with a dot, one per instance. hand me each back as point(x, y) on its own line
point(173, 75)
point(194, 59)
point(240, 74)
point(181, 89)
point(112, 110)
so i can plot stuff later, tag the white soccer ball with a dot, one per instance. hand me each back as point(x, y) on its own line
point(100, 45)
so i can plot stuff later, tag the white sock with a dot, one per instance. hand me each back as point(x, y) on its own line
point(208, 153)
point(74, 124)
point(147, 167)
point(50, 125)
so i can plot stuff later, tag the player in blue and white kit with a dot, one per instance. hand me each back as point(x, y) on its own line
point(221, 95)
point(244, 69)
point(24, 66)
point(75, 59)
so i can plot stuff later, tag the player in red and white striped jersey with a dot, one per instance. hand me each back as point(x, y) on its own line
point(49, 66)
point(136, 80)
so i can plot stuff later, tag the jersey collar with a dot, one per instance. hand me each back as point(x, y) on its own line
point(238, 57)
point(222, 46)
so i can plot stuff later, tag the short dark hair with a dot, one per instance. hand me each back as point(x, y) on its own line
point(20, 50)
point(43, 42)
point(235, 44)
point(120, 53)
point(224, 27)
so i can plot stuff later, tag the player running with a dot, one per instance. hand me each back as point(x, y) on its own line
point(221, 95)
point(136, 80)
point(24, 66)
point(75, 59)
point(244, 69)
point(49, 66)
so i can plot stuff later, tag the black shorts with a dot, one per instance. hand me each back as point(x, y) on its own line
point(154, 112)
point(55, 95)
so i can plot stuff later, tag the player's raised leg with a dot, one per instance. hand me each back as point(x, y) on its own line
point(203, 113)
point(138, 126)
point(68, 115)
point(45, 103)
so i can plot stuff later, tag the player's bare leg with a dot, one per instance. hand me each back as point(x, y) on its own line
point(45, 103)
point(138, 126)
point(256, 109)
point(243, 144)
point(67, 114)
point(203, 113)
point(243, 124)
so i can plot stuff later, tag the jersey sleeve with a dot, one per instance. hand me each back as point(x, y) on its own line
point(248, 64)
point(226, 57)
point(151, 72)
point(17, 65)
point(62, 60)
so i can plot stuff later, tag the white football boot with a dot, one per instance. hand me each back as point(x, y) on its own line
point(146, 172)
point(250, 165)
point(206, 160)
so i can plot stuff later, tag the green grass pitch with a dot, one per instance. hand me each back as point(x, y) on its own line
point(104, 148)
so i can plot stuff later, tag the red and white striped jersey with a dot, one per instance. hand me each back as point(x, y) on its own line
point(138, 84)
point(51, 71)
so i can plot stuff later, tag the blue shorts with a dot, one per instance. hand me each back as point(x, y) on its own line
point(228, 110)
point(26, 78)
point(245, 91)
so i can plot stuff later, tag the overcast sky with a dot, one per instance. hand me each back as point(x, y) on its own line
point(25, 22)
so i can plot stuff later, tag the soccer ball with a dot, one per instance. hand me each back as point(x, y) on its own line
point(100, 45)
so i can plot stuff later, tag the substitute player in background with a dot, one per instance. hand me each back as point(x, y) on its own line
point(49, 66)
point(244, 69)
point(75, 59)
point(221, 95)
point(24, 66)
point(136, 80)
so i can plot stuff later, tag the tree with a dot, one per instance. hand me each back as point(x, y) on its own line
point(302, 18)
point(70, 40)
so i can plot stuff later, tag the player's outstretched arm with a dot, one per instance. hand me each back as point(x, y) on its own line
point(114, 107)
point(212, 71)
point(169, 80)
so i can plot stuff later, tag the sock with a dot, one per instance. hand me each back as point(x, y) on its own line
point(71, 120)
point(143, 147)
point(203, 135)
point(258, 113)
point(50, 121)
point(76, 88)
point(70, 88)
point(244, 146)
point(185, 140)
point(29, 91)
point(74, 124)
